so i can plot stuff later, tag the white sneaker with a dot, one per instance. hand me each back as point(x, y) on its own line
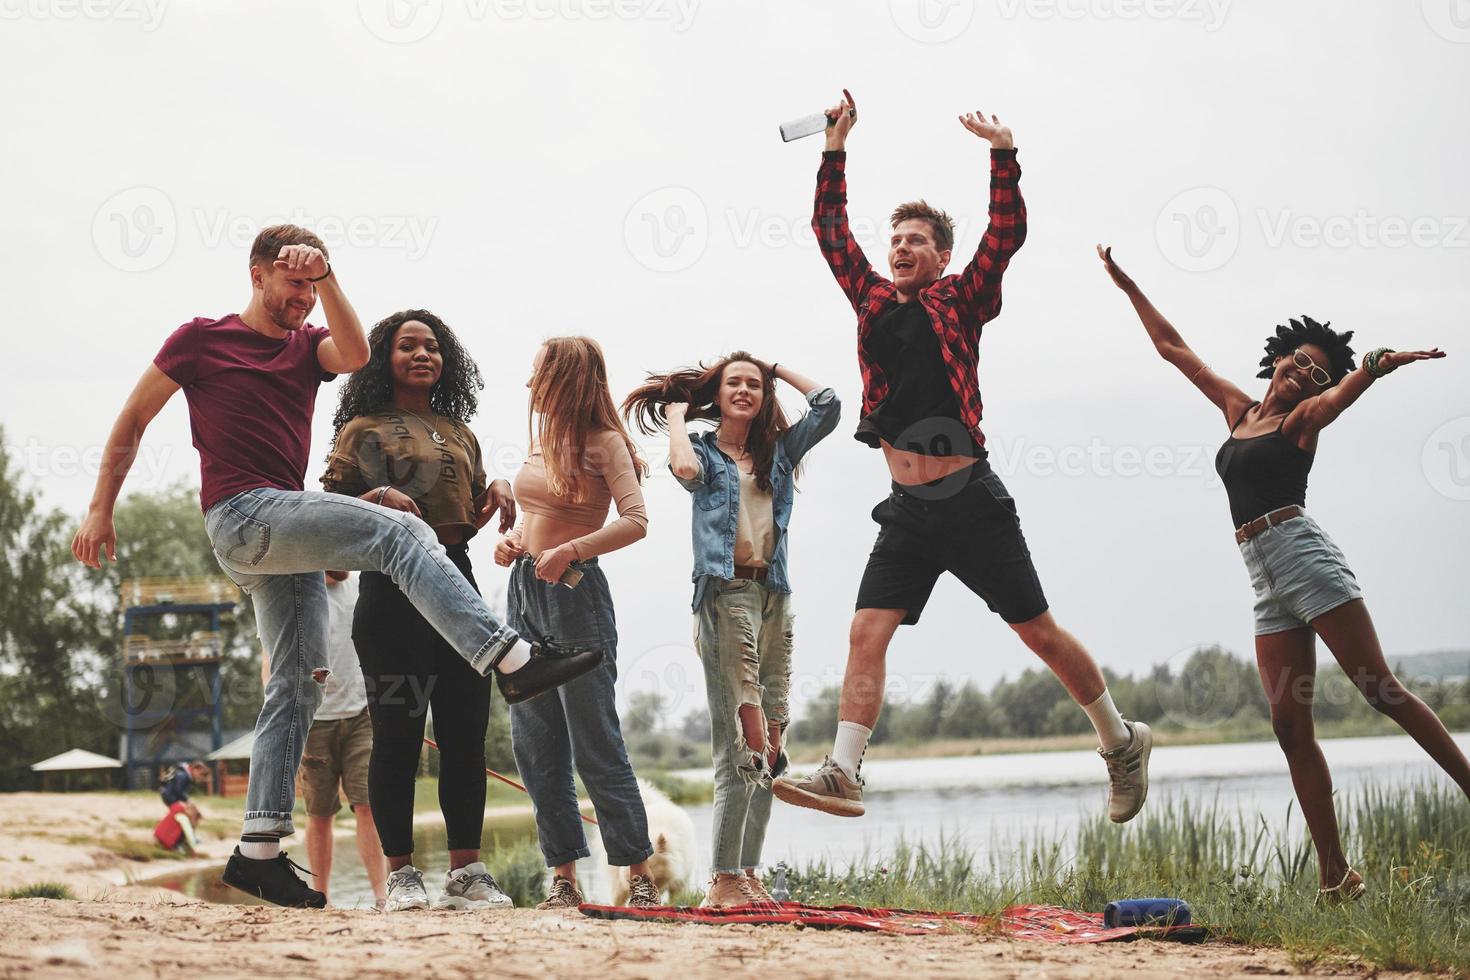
point(1128, 773)
point(406, 891)
point(472, 887)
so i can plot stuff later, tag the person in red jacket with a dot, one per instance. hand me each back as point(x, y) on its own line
point(178, 830)
point(918, 336)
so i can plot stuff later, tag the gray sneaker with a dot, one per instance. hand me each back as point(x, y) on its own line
point(829, 789)
point(1128, 773)
point(563, 894)
point(406, 890)
point(472, 887)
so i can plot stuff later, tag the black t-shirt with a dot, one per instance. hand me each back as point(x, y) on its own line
point(920, 413)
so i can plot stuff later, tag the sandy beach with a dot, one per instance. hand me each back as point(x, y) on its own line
point(125, 935)
point(119, 928)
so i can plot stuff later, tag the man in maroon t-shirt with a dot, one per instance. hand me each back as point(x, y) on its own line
point(250, 380)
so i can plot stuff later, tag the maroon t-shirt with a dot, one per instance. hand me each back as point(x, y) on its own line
point(250, 402)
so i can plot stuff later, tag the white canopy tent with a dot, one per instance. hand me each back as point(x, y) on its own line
point(74, 760)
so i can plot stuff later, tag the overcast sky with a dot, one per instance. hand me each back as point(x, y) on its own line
point(612, 167)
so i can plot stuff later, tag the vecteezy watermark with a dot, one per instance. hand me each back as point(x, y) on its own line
point(667, 230)
point(400, 21)
point(1446, 459)
point(938, 21)
point(136, 230)
point(1450, 19)
point(1199, 229)
point(147, 14)
point(932, 21)
point(408, 21)
point(44, 461)
point(1363, 230)
point(407, 233)
point(1209, 13)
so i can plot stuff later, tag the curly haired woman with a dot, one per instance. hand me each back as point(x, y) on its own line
point(403, 441)
point(1303, 585)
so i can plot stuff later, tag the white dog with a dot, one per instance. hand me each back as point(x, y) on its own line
point(672, 832)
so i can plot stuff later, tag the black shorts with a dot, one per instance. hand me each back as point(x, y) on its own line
point(966, 525)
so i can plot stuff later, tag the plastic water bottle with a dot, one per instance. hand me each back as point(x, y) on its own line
point(779, 891)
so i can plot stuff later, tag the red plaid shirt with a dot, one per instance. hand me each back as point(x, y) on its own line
point(958, 305)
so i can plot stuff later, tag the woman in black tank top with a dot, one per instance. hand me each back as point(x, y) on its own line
point(1304, 588)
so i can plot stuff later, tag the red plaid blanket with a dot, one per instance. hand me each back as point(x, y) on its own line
point(1047, 923)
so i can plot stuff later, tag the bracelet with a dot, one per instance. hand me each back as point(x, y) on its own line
point(1370, 362)
point(1201, 370)
point(382, 492)
point(774, 365)
point(325, 275)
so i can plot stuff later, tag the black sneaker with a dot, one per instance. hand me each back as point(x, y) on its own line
point(273, 880)
point(551, 665)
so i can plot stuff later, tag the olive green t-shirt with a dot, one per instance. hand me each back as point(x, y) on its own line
point(398, 450)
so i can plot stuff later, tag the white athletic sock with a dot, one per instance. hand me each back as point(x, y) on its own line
point(517, 658)
point(849, 746)
point(260, 850)
point(1111, 732)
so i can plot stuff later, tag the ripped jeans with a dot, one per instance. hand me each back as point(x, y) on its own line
point(743, 633)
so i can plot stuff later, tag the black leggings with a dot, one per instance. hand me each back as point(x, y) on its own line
point(409, 668)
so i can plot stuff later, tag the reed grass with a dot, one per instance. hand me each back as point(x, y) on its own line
point(1251, 879)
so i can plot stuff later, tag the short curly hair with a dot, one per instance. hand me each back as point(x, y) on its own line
point(1309, 331)
point(370, 389)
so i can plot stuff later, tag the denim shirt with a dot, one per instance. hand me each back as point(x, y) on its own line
point(716, 491)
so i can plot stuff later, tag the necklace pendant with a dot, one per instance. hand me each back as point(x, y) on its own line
point(436, 436)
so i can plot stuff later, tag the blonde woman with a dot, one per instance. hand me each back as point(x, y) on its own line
point(581, 462)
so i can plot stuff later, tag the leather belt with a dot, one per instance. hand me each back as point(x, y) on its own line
point(756, 573)
point(1250, 529)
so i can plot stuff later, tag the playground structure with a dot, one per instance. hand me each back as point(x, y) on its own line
point(171, 672)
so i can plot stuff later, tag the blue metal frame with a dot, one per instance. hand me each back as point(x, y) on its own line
point(134, 617)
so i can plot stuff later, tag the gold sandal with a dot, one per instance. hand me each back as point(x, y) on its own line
point(1350, 889)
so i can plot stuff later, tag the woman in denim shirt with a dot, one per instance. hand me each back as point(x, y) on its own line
point(741, 475)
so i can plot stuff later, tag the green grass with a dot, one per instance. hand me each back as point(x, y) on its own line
point(42, 889)
point(1412, 845)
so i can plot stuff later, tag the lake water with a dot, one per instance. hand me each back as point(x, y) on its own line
point(987, 802)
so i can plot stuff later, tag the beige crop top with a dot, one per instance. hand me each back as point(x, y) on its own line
point(397, 449)
point(611, 478)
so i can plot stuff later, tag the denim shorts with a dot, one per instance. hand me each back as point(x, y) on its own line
point(1298, 573)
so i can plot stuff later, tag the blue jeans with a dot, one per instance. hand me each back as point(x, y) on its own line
point(743, 633)
point(577, 724)
point(275, 544)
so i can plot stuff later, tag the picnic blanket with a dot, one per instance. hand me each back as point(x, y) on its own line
point(1047, 923)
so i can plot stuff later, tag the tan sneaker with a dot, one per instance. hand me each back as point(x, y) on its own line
point(757, 889)
point(562, 895)
point(642, 893)
point(829, 789)
point(1128, 773)
point(727, 891)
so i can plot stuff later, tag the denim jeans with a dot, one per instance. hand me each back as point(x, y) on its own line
point(743, 633)
point(577, 724)
point(275, 544)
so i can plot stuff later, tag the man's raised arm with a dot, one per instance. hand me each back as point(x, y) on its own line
point(979, 283)
point(829, 214)
point(153, 390)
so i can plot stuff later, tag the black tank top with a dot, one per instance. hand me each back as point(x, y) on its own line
point(920, 414)
point(1262, 473)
